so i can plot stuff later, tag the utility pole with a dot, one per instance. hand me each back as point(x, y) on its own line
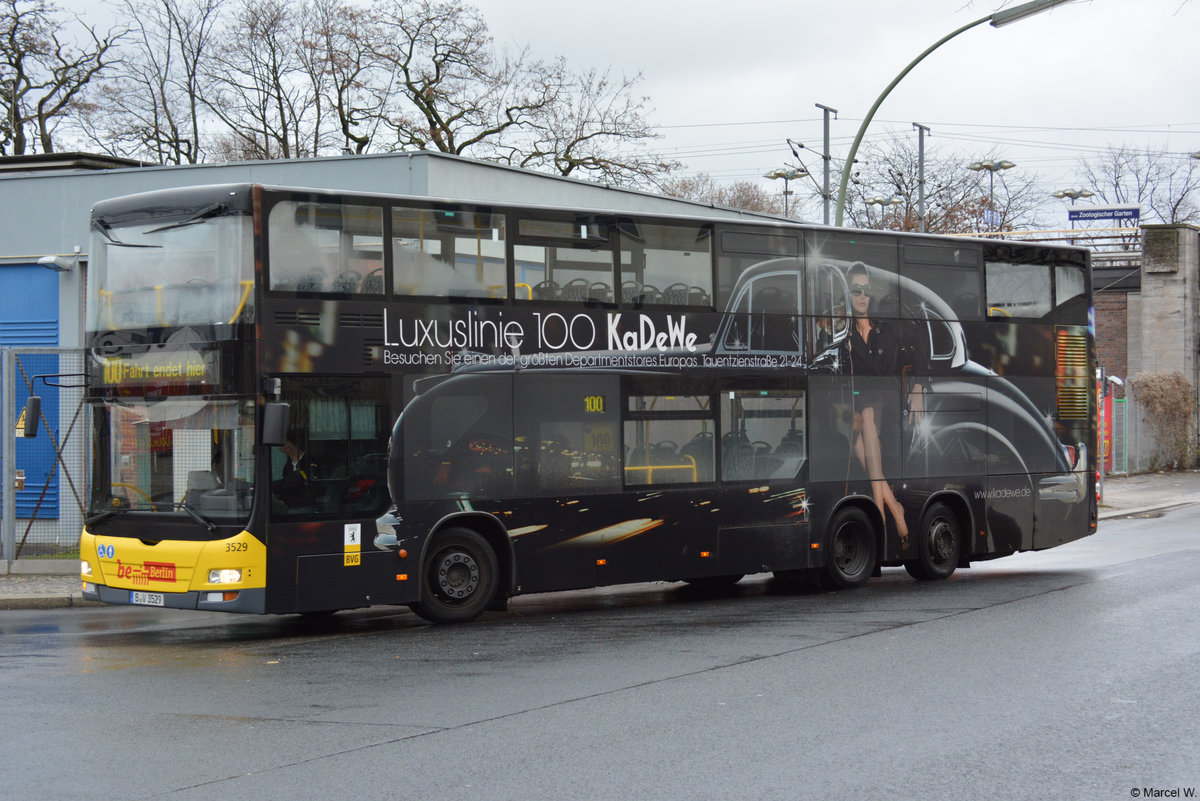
point(826, 195)
point(921, 131)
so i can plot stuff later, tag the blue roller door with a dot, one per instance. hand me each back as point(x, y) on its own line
point(29, 318)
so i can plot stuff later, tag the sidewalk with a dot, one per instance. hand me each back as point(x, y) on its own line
point(1123, 496)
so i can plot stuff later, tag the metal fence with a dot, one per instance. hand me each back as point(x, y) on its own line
point(45, 478)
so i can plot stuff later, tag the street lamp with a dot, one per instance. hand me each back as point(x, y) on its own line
point(883, 203)
point(1074, 194)
point(992, 167)
point(998, 19)
point(788, 174)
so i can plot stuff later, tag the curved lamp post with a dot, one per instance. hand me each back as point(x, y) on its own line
point(998, 19)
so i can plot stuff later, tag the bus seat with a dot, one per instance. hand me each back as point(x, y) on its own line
point(676, 295)
point(346, 282)
point(199, 482)
point(372, 284)
point(575, 290)
point(599, 292)
point(546, 290)
point(202, 480)
point(314, 281)
point(700, 448)
point(792, 443)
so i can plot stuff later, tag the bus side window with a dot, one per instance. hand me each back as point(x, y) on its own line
point(567, 435)
point(763, 434)
point(766, 315)
point(448, 253)
point(949, 274)
point(829, 314)
point(341, 427)
point(1070, 295)
point(1018, 290)
point(326, 247)
point(666, 264)
point(455, 440)
point(669, 439)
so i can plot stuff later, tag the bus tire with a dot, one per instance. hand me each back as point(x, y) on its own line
point(850, 549)
point(939, 544)
point(458, 577)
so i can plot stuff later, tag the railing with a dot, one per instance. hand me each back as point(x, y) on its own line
point(1126, 238)
point(44, 479)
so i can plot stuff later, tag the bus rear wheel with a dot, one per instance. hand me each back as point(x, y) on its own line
point(939, 545)
point(458, 577)
point(850, 549)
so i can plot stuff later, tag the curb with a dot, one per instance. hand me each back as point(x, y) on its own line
point(18, 602)
point(1117, 514)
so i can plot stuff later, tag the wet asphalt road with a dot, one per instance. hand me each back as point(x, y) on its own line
point(1073, 673)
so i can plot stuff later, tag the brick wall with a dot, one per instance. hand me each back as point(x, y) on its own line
point(1112, 334)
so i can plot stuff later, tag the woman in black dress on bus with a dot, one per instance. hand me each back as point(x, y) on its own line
point(875, 349)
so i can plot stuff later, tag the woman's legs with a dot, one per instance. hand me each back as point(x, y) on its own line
point(872, 456)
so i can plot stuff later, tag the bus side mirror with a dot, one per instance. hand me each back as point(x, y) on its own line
point(31, 416)
point(275, 420)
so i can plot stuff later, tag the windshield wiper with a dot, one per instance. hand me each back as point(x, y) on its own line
point(192, 513)
point(107, 513)
point(199, 518)
point(106, 229)
point(208, 211)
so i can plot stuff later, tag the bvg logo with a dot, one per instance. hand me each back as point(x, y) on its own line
point(151, 571)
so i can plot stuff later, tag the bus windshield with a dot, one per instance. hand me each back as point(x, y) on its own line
point(189, 456)
point(196, 269)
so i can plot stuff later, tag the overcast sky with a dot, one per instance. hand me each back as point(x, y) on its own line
point(730, 82)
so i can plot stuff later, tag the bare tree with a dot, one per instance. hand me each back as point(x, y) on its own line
point(1165, 186)
point(454, 92)
point(957, 199)
point(151, 107)
point(44, 77)
point(260, 79)
point(739, 194)
point(597, 129)
point(356, 84)
point(261, 88)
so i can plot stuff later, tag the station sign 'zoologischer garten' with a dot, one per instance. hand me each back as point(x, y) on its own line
point(1126, 215)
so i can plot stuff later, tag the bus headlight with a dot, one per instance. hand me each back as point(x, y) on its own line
point(226, 576)
point(85, 568)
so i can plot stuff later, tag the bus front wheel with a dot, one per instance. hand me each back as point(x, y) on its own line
point(458, 578)
point(850, 549)
point(939, 545)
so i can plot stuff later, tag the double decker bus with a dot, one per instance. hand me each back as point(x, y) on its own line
point(306, 401)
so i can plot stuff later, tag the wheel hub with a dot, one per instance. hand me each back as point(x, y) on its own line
point(941, 541)
point(457, 575)
point(845, 550)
